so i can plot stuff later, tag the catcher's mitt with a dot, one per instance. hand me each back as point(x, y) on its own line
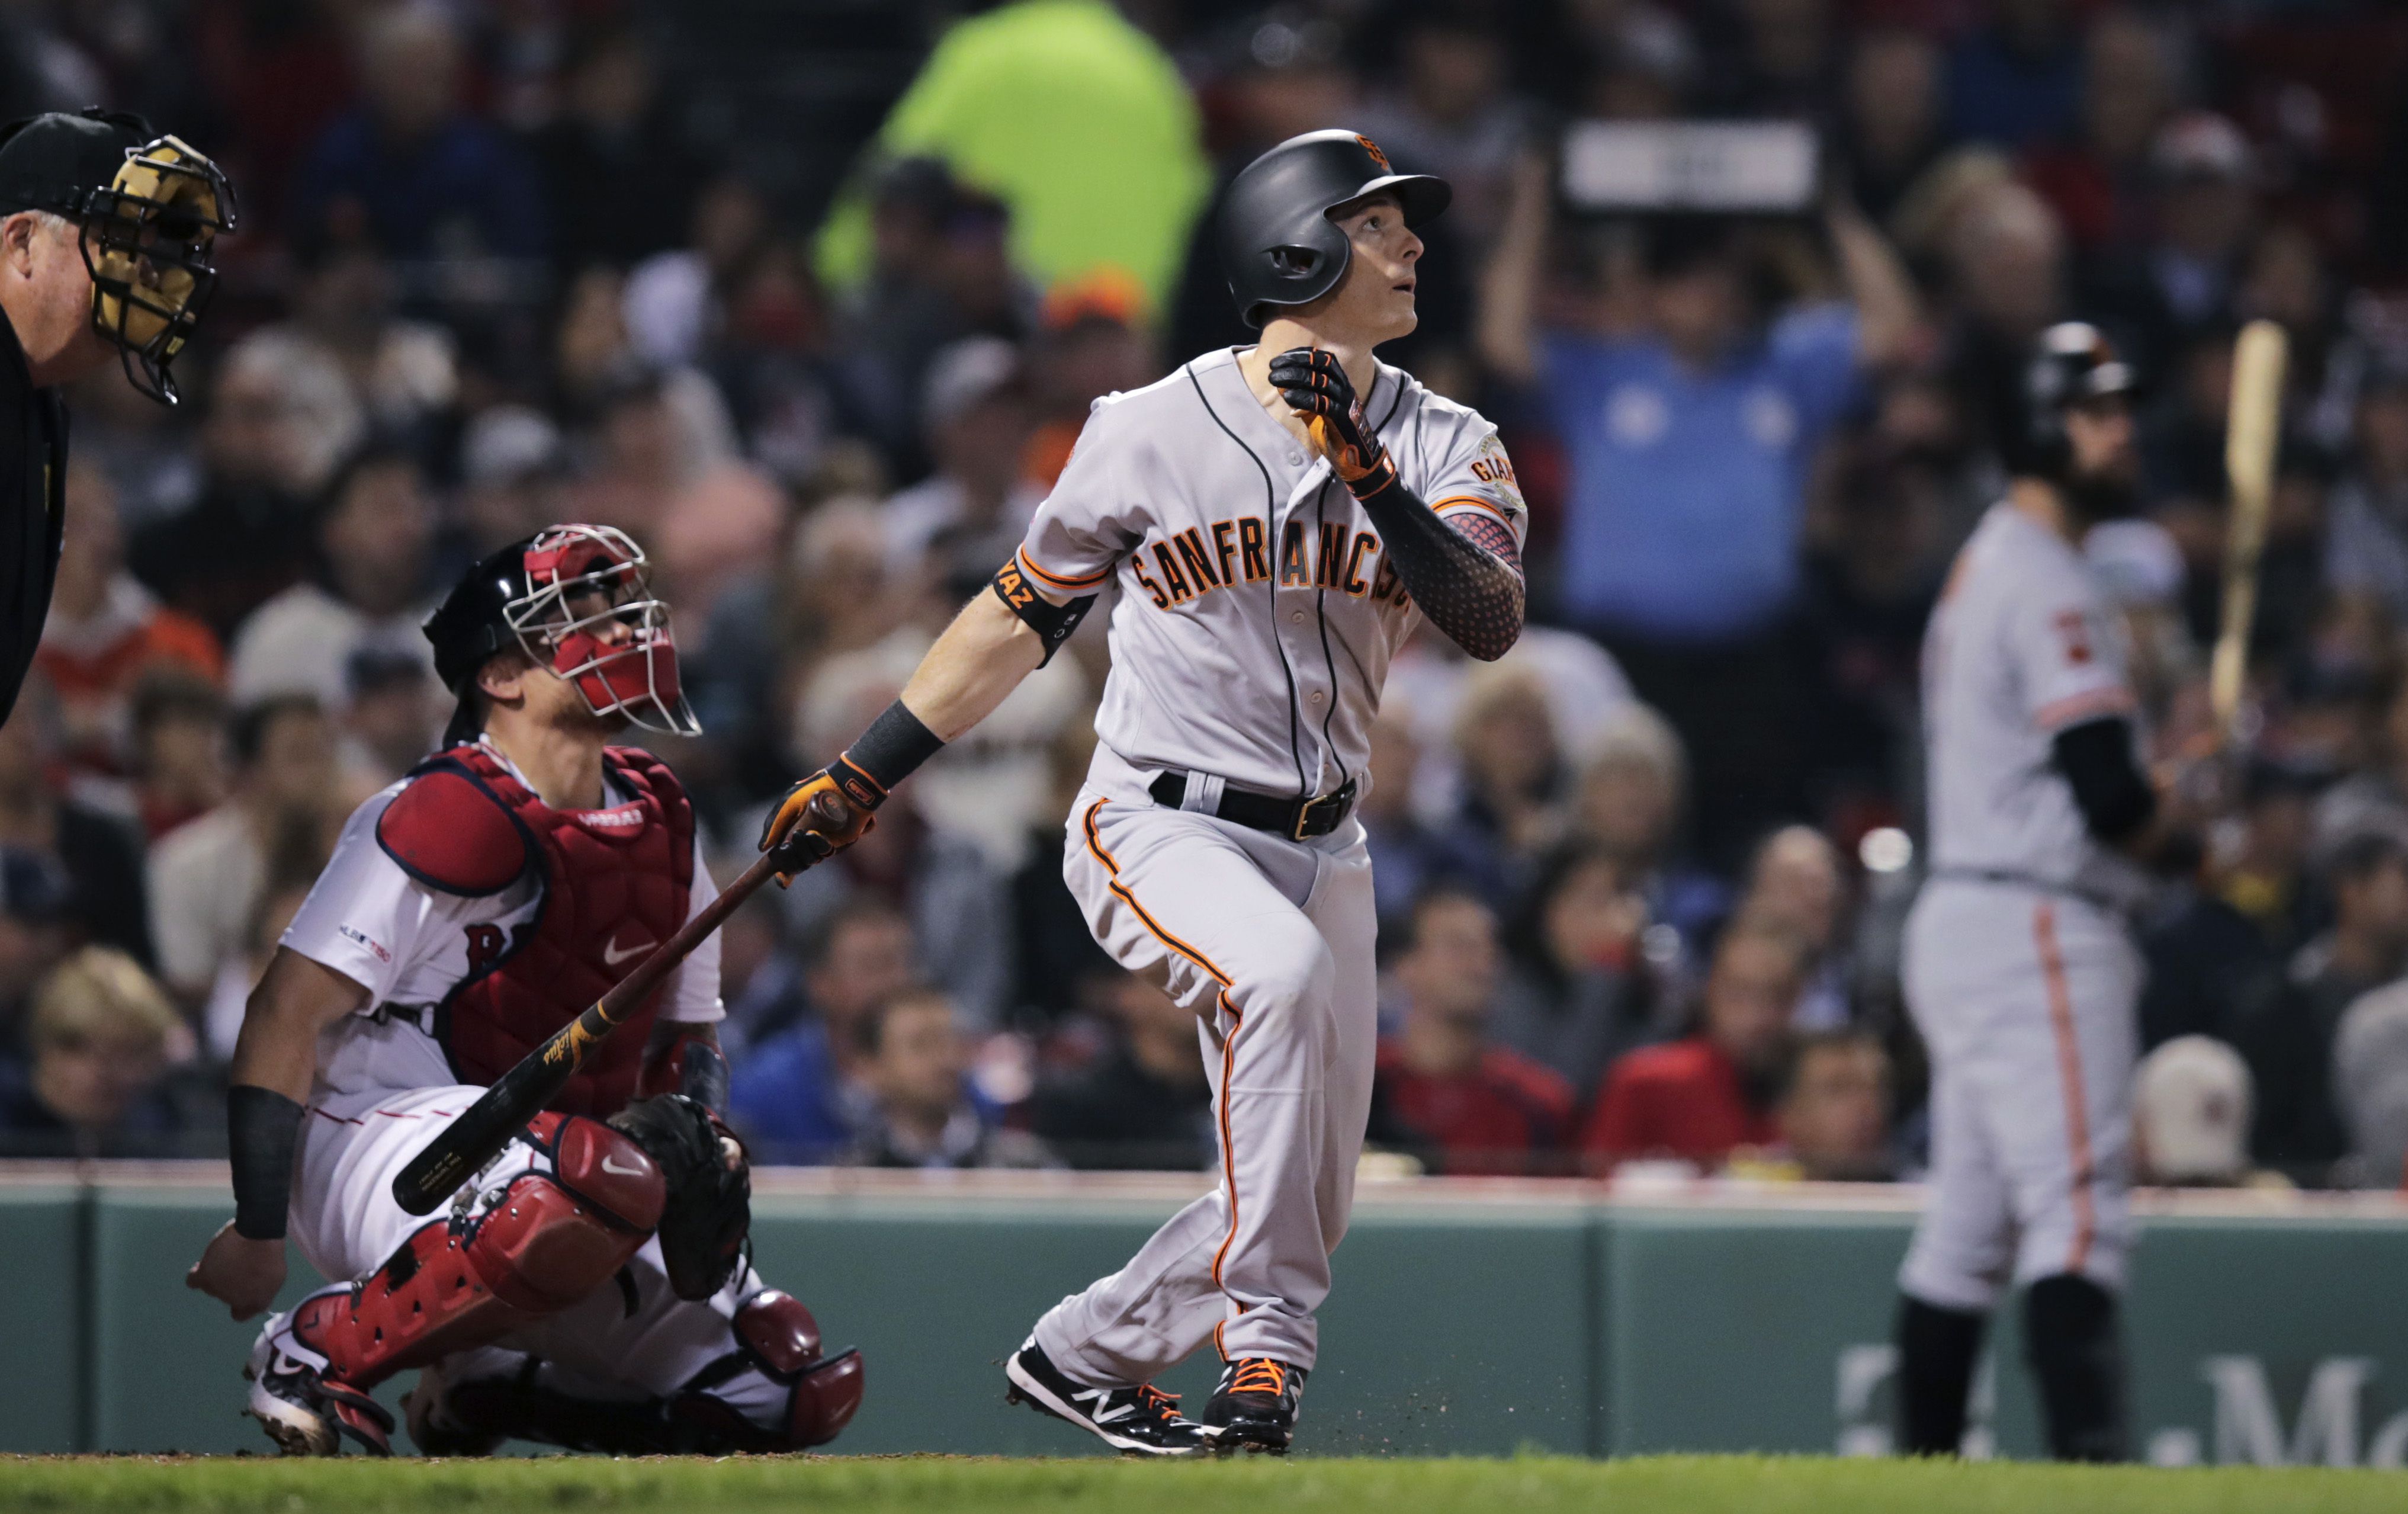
point(709, 1210)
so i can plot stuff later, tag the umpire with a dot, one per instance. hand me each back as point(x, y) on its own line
point(106, 231)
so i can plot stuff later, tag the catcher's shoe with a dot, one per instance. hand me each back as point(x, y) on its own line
point(1255, 1407)
point(436, 1427)
point(1135, 1421)
point(306, 1412)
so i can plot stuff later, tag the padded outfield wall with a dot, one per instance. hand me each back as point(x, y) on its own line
point(1468, 1317)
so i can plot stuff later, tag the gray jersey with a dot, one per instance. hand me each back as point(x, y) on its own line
point(2022, 645)
point(1254, 613)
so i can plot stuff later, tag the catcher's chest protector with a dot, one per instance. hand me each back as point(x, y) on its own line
point(614, 884)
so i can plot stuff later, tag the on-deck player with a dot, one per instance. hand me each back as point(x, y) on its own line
point(588, 1288)
point(2019, 969)
point(1268, 522)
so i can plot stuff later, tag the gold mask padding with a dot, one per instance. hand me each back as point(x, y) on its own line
point(167, 185)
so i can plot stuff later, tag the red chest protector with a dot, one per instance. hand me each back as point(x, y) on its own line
point(613, 884)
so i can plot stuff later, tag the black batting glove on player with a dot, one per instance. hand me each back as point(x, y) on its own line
point(1315, 385)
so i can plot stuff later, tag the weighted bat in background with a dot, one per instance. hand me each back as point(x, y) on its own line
point(2253, 430)
point(479, 1131)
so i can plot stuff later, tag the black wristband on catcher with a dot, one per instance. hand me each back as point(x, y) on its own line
point(263, 1127)
point(1053, 623)
point(890, 750)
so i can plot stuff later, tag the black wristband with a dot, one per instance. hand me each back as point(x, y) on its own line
point(890, 750)
point(262, 1129)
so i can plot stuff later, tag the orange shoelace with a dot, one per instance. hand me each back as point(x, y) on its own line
point(1260, 1374)
point(1155, 1399)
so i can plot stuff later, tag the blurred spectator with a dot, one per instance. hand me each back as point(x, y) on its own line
point(1510, 805)
point(2017, 80)
point(513, 469)
point(1701, 1098)
point(677, 297)
point(2370, 1085)
point(793, 1096)
point(1444, 1091)
point(2190, 1116)
point(33, 933)
point(1632, 797)
point(2007, 277)
point(1093, 341)
point(2366, 544)
point(97, 856)
point(1408, 857)
point(939, 877)
point(1145, 1102)
point(1451, 108)
point(401, 374)
point(2097, 179)
point(2215, 947)
point(179, 750)
point(393, 714)
point(2181, 281)
point(2289, 1039)
point(703, 514)
point(919, 1112)
point(101, 1038)
point(760, 981)
point(1069, 115)
point(280, 418)
point(206, 876)
point(1061, 968)
point(1891, 126)
point(1796, 886)
point(290, 877)
point(613, 145)
point(1688, 446)
point(1580, 994)
point(105, 630)
point(373, 531)
point(1778, 62)
point(1832, 1113)
point(408, 166)
point(966, 519)
point(1429, 678)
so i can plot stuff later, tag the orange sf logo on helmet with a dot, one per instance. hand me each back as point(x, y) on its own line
point(1377, 156)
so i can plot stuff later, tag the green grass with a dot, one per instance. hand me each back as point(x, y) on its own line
point(874, 1485)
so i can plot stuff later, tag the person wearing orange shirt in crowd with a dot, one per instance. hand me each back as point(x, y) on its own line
point(1442, 1090)
point(1091, 342)
point(105, 632)
point(1701, 1098)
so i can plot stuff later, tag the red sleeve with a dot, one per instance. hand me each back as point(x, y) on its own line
point(1618, 1127)
point(446, 833)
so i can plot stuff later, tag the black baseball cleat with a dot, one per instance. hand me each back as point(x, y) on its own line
point(1255, 1407)
point(1135, 1421)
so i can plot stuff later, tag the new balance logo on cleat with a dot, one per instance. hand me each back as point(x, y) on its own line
point(1135, 1421)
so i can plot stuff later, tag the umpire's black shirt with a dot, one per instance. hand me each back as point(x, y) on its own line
point(33, 509)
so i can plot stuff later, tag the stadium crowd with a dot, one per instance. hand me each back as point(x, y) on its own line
point(1640, 882)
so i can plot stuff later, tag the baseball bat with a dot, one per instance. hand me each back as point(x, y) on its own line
point(479, 1131)
point(2253, 429)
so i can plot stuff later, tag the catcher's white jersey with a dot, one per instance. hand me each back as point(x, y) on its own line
point(1255, 611)
point(2022, 645)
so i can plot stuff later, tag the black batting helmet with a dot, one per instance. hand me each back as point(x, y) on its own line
point(2071, 363)
point(1278, 244)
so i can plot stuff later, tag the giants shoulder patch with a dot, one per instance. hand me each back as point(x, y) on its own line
point(450, 835)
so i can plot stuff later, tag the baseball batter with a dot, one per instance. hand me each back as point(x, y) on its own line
point(588, 1288)
point(2019, 970)
point(1268, 522)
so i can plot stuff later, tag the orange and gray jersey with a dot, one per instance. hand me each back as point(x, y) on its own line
point(1253, 611)
point(2023, 645)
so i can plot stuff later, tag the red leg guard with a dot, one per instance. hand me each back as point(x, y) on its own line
point(778, 1331)
point(551, 1239)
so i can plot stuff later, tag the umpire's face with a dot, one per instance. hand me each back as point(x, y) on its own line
point(46, 291)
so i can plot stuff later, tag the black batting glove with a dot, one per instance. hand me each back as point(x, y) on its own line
point(1315, 385)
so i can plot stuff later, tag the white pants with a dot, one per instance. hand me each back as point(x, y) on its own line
point(1269, 942)
point(2028, 1002)
point(629, 1340)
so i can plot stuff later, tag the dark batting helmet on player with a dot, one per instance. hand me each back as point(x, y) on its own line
point(1279, 245)
point(2070, 364)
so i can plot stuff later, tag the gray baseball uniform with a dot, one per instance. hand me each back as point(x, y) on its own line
point(2019, 970)
point(1252, 621)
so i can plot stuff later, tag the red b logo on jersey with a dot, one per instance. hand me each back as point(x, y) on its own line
point(484, 947)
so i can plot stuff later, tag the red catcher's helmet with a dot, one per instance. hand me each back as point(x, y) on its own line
point(556, 596)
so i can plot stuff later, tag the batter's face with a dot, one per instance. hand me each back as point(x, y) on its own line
point(2105, 442)
point(1374, 302)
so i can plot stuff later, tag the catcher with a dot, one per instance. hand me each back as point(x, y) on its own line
point(589, 1288)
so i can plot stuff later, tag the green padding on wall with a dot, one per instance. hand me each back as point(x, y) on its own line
point(42, 1398)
